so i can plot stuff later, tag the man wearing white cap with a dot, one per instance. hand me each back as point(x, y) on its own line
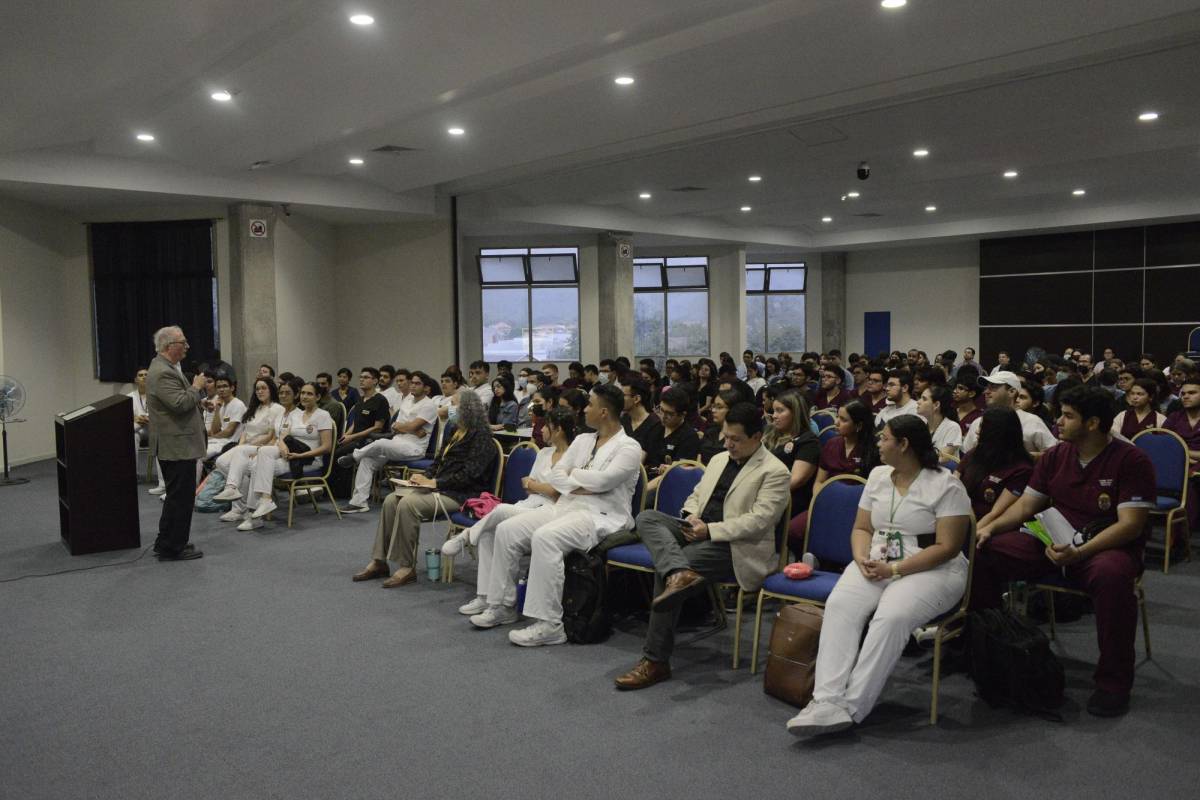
point(1001, 390)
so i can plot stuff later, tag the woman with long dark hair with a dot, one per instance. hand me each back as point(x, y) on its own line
point(1140, 414)
point(791, 440)
point(936, 407)
point(996, 471)
point(502, 410)
point(908, 568)
point(713, 440)
point(706, 386)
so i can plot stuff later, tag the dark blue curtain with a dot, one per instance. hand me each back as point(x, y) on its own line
point(146, 275)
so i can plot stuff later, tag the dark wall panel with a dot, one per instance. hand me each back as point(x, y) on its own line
point(1118, 296)
point(1024, 254)
point(1036, 300)
point(1120, 248)
point(1125, 340)
point(1164, 341)
point(1017, 340)
point(1173, 244)
point(1172, 295)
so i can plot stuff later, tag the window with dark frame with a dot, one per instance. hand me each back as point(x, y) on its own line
point(530, 303)
point(775, 307)
point(670, 307)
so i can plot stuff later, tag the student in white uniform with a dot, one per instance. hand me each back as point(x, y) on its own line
point(141, 425)
point(560, 430)
point(898, 390)
point(908, 568)
point(226, 422)
point(936, 407)
point(314, 428)
point(398, 395)
point(479, 378)
point(1002, 389)
point(596, 480)
point(261, 425)
point(410, 438)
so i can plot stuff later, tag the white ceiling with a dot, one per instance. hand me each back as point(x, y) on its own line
point(798, 92)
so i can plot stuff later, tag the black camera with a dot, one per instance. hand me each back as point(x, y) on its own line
point(864, 170)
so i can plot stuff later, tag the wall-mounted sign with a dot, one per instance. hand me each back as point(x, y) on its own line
point(624, 250)
point(258, 228)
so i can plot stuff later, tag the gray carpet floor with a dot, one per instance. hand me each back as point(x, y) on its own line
point(261, 671)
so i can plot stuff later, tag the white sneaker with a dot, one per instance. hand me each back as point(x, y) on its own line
point(250, 523)
point(454, 545)
point(538, 634)
point(495, 615)
point(476, 606)
point(157, 490)
point(264, 507)
point(163, 497)
point(230, 492)
point(232, 516)
point(819, 718)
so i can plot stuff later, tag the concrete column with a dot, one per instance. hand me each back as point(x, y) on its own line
point(252, 291)
point(726, 300)
point(614, 261)
point(833, 301)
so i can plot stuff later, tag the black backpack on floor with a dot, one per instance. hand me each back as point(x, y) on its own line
point(585, 617)
point(1012, 664)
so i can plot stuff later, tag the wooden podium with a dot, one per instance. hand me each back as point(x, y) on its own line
point(97, 477)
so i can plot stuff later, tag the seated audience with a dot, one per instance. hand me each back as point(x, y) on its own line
point(479, 379)
point(1031, 398)
point(706, 386)
point(447, 401)
point(576, 400)
point(464, 468)
point(713, 440)
point(1186, 423)
point(368, 416)
point(679, 442)
point(791, 440)
point(1001, 392)
point(832, 394)
point(225, 422)
point(639, 421)
point(560, 429)
point(327, 403)
point(237, 468)
point(1003, 363)
point(575, 378)
point(550, 371)
point(1139, 413)
point(409, 439)
point(141, 425)
point(503, 409)
point(755, 381)
point(309, 427)
point(727, 528)
point(259, 424)
point(936, 407)
point(996, 471)
point(898, 392)
point(873, 392)
point(596, 481)
point(344, 393)
point(397, 393)
point(908, 568)
point(544, 399)
point(965, 394)
point(1104, 488)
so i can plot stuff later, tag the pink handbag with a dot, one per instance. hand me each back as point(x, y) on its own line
point(480, 507)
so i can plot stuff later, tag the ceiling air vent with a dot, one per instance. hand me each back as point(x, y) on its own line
point(867, 215)
point(394, 148)
point(261, 165)
point(690, 189)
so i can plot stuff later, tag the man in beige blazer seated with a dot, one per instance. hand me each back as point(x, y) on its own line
point(728, 526)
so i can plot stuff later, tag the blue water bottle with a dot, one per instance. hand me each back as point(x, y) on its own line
point(521, 596)
point(433, 565)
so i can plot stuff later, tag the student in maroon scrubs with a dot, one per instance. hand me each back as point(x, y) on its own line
point(964, 394)
point(831, 394)
point(998, 469)
point(1140, 414)
point(1098, 483)
point(873, 393)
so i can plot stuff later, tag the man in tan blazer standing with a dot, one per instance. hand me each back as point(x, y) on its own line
point(728, 526)
point(173, 406)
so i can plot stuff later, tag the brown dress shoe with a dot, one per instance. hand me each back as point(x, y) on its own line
point(377, 569)
point(400, 577)
point(646, 673)
point(678, 585)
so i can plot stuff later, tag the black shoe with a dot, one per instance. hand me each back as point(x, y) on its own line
point(1108, 704)
point(346, 461)
point(188, 553)
point(159, 549)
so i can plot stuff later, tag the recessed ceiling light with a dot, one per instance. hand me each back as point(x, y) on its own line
point(1012, 173)
point(745, 208)
point(920, 152)
point(852, 195)
point(1148, 116)
point(893, 3)
point(358, 162)
point(931, 209)
point(362, 19)
point(455, 131)
point(754, 178)
point(145, 137)
point(644, 195)
point(623, 80)
point(221, 96)
point(826, 219)
point(1079, 192)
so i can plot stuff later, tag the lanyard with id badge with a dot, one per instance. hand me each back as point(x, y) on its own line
point(892, 546)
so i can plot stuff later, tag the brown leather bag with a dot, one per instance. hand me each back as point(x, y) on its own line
point(792, 657)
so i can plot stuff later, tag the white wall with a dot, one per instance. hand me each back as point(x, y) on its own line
point(394, 296)
point(931, 291)
point(305, 287)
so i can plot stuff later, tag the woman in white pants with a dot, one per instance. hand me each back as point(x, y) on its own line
point(560, 429)
point(314, 428)
point(908, 568)
point(237, 479)
point(259, 426)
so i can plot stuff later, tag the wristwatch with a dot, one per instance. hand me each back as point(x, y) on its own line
point(896, 570)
